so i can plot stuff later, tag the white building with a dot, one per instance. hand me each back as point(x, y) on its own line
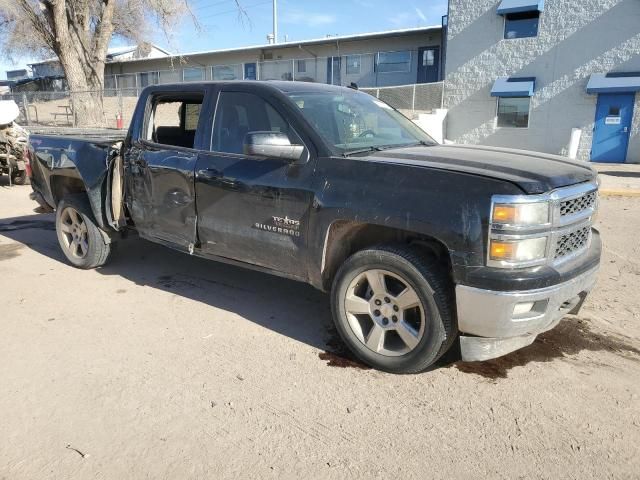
point(51, 67)
point(375, 59)
point(526, 73)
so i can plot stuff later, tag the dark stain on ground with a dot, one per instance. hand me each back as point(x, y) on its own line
point(10, 251)
point(27, 224)
point(178, 281)
point(570, 337)
point(337, 354)
point(168, 281)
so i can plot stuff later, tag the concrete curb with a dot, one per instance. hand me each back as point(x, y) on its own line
point(619, 193)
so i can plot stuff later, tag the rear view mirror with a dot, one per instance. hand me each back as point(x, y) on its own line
point(271, 145)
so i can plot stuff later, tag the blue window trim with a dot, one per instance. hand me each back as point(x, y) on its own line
point(519, 6)
point(514, 87)
point(614, 83)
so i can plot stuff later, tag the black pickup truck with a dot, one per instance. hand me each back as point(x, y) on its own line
point(420, 245)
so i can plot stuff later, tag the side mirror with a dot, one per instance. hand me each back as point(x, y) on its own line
point(271, 145)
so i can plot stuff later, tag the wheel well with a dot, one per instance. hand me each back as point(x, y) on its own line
point(346, 238)
point(62, 186)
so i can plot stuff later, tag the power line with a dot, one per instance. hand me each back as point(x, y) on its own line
point(206, 5)
point(217, 14)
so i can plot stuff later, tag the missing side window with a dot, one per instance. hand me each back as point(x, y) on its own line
point(174, 120)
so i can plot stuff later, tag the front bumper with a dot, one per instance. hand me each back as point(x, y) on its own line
point(490, 328)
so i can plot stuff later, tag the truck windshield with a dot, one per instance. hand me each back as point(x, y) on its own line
point(353, 122)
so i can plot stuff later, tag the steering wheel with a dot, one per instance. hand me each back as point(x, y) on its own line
point(367, 133)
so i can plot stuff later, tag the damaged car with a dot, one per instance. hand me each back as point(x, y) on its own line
point(420, 246)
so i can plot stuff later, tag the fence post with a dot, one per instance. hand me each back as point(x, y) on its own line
point(413, 100)
point(74, 115)
point(120, 104)
point(25, 105)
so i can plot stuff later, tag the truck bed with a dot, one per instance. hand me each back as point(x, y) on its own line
point(101, 135)
point(68, 160)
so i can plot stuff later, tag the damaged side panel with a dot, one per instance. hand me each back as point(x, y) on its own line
point(161, 193)
point(63, 165)
point(425, 201)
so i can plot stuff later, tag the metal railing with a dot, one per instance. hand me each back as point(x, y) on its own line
point(55, 109)
point(411, 99)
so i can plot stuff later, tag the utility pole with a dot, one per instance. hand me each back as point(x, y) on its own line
point(275, 21)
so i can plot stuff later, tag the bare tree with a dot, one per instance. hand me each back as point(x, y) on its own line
point(78, 33)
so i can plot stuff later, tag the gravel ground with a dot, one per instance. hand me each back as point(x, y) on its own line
point(160, 365)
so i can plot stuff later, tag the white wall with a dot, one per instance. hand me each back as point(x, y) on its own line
point(317, 69)
point(576, 38)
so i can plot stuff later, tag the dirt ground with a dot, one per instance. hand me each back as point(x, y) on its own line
point(161, 365)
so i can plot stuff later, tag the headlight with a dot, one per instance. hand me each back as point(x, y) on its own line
point(518, 232)
point(518, 251)
point(521, 214)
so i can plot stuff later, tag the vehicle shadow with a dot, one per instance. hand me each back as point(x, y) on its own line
point(290, 308)
point(284, 306)
point(620, 173)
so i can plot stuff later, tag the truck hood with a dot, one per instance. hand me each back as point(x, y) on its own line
point(533, 172)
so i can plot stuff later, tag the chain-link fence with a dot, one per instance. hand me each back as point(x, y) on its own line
point(56, 109)
point(411, 99)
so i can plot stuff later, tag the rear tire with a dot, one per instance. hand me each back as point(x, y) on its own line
point(79, 237)
point(393, 308)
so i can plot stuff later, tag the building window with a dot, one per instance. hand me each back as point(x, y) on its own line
point(301, 66)
point(225, 72)
point(428, 58)
point(394, 62)
point(169, 76)
point(353, 64)
point(193, 74)
point(126, 81)
point(513, 112)
point(521, 25)
point(149, 78)
point(109, 82)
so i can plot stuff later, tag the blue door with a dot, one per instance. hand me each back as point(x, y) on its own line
point(250, 71)
point(428, 64)
point(612, 127)
point(334, 76)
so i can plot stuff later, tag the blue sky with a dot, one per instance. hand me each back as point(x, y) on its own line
point(299, 19)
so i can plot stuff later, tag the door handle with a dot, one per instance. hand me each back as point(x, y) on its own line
point(209, 174)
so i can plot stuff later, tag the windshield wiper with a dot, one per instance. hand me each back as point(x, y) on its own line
point(421, 142)
point(380, 148)
point(362, 150)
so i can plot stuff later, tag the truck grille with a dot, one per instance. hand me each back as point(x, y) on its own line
point(572, 242)
point(579, 204)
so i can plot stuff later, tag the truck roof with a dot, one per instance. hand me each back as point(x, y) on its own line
point(285, 86)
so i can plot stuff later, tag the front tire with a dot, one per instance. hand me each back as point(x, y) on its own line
point(81, 240)
point(393, 309)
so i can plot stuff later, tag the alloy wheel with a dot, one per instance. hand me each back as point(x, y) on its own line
point(74, 232)
point(384, 312)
